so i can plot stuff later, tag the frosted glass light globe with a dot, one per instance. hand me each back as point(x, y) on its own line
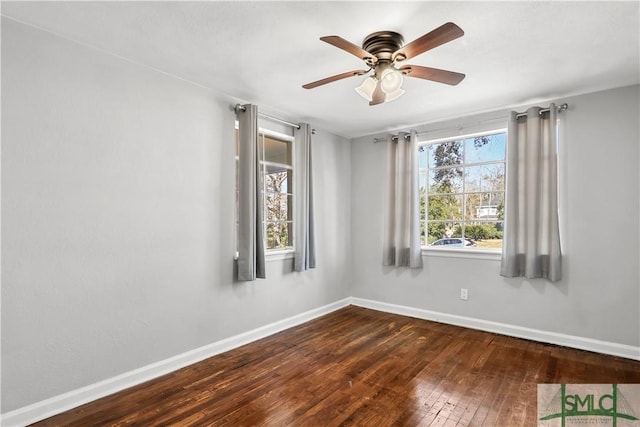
point(367, 87)
point(391, 80)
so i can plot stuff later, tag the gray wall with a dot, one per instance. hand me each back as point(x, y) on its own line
point(118, 218)
point(599, 295)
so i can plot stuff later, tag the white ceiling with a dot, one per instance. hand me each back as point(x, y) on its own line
point(513, 53)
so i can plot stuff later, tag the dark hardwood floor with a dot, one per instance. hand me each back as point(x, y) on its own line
point(363, 368)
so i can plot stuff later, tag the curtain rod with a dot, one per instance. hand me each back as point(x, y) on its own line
point(394, 138)
point(559, 108)
point(240, 107)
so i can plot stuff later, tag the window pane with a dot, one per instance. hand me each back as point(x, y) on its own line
point(422, 156)
point(278, 207)
point(438, 230)
point(447, 180)
point(422, 177)
point(485, 148)
point(484, 206)
point(487, 235)
point(445, 207)
point(423, 204)
point(278, 235)
point(484, 178)
point(277, 180)
point(277, 151)
point(445, 154)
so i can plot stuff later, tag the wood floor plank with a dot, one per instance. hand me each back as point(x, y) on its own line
point(358, 367)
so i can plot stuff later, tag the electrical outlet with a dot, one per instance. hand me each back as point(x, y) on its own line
point(464, 294)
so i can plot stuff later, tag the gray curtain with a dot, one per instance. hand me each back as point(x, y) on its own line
point(531, 245)
point(305, 238)
point(401, 243)
point(251, 263)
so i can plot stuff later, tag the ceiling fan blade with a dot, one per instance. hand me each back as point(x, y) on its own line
point(434, 74)
point(441, 35)
point(334, 78)
point(347, 46)
point(378, 96)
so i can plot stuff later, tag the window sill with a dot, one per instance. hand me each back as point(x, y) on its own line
point(274, 255)
point(279, 254)
point(462, 253)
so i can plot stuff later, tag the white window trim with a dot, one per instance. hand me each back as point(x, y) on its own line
point(455, 252)
point(473, 253)
point(279, 254)
point(274, 254)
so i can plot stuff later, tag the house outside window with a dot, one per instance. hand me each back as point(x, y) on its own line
point(462, 182)
point(275, 152)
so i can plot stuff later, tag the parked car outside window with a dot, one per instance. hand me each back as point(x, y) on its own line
point(453, 242)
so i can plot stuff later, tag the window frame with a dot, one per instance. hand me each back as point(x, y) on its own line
point(460, 252)
point(281, 252)
point(262, 133)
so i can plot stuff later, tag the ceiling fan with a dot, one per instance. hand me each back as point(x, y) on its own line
point(382, 52)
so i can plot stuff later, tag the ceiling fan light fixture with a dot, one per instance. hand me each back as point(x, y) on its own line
point(391, 80)
point(382, 51)
point(367, 87)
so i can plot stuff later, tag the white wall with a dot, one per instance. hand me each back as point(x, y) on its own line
point(598, 297)
point(118, 219)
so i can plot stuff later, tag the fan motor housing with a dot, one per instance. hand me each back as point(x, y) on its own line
point(383, 44)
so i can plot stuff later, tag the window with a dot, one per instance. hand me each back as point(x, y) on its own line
point(462, 183)
point(275, 152)
point(276, 161)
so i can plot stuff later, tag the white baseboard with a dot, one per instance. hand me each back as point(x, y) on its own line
point(614, 349)
point(63, 402)
point(57, 404)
